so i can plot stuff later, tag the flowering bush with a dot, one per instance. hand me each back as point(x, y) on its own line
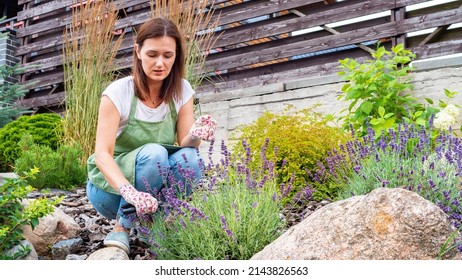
point(379, 94)
point(406, 158)
point(232, 214)
point(446, 118)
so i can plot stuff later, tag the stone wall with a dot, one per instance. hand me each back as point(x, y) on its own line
point(241, 107)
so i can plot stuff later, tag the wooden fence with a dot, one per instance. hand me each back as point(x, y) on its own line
point(261, 41)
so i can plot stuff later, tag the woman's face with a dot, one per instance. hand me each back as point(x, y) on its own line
point(157, 56)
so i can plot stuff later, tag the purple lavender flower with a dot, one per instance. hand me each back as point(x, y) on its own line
point(226, 229)
point(236, 212)
point(273, 198)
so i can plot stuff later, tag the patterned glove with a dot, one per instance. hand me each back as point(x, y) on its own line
point(143, 202)
point(203, 128)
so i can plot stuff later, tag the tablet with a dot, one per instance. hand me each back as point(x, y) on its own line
point(172, 148)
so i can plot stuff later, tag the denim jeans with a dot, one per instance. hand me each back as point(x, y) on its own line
point(151, 169)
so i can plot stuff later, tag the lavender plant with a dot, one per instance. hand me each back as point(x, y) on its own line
point(232, 213)
point(405, 158)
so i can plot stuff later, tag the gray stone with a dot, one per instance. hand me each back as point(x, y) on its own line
point(109, 253)
point(74, 257)
point(63, 248)
point(23, 244)
point(386, 224)
point(4, 176)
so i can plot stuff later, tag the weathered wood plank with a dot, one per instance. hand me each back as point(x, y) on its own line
point(252, 9)
point(438, 49)
point(347, 38)
point(317, 70)
point(57, 41)
point(66, 19)
point(45, 80)
point(232, 37)
point(53, 23)
point(431, 20)
point(299, 72)
point(60, 4)
point(43, 9)
point(43, 101)
point(22, 2)
point(318, 44)
point(345, 12)
point(62, 21)
point(56, 58)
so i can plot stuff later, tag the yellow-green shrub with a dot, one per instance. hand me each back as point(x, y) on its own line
point(297, 141)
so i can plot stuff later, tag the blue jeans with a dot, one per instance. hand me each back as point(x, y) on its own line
point(152, 167)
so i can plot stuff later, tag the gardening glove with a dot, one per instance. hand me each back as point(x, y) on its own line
point(143, 202)
point(203, 128)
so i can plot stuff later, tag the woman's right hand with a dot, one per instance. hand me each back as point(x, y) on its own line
point(143, 202)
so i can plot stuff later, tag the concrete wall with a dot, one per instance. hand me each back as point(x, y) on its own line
point(241, 107)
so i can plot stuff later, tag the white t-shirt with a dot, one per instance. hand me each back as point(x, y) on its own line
point(121, 94)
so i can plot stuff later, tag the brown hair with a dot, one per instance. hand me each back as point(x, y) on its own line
point(172, 85)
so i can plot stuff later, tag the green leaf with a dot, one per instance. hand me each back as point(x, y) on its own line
point(442, 104)
point(421, 121)
point(353, 94)
point(374, 121)
point(389, 123)
point(449, 94)
point(381, 111)
point(429, 100)
point(366, 107)
point(346, 87)
point(417, 114)
point(34, 222)
point(388, 115)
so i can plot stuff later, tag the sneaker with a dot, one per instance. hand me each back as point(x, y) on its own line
point(143, 238)
point(119, 240)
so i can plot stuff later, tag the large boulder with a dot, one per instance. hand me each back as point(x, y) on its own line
point(52, 228)
point(386, 224)
point(108, 253)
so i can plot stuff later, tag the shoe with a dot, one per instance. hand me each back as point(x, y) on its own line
point(142, 237)
point(119, 240)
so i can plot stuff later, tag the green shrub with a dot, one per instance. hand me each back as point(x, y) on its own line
point(62, 169)
point(45, 129)
point(379, 93)
point(9, 94)
point(296, 143)
point(15, 214)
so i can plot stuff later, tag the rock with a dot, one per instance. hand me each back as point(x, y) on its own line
point(63, 248)
point(74, 257)
point(32, 254)
point(52, 228)
point(386, 224)
point(109, 253)
point(4, 176)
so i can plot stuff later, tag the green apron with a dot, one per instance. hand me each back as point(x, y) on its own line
point(131, 140)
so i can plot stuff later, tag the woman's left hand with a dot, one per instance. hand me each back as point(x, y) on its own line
point(203, 128)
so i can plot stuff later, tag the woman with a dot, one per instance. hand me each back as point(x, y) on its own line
point(139, 117)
